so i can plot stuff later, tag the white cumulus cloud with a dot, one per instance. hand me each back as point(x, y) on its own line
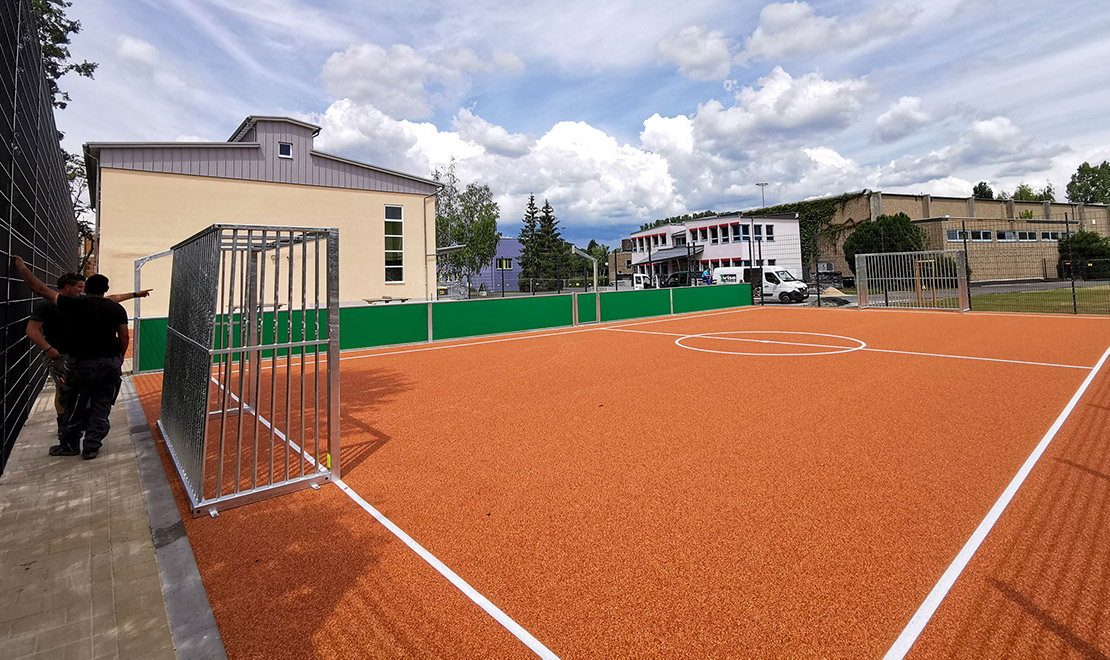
point(495, 139)
point(792, 29)
point(406, 83)
point(903, 117)
point(136, 52)
point(699, 53)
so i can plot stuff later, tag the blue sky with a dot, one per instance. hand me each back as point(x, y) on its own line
point(622, 112)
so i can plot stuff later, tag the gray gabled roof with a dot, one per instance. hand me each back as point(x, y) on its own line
point(254, 160)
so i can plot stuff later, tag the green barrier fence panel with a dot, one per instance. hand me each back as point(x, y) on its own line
point(382, 325)
point(587, 307)
point(617, 305)
point(701, 298)
point(469, 318)
point(152, 345)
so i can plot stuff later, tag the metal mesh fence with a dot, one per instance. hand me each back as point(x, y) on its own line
point(251, 384)
point(935, 279)
point(36, 213)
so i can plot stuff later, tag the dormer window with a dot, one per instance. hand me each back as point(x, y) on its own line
point(285, 149)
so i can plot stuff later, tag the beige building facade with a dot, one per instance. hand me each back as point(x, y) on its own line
point(150, 196)
point(1005, 239)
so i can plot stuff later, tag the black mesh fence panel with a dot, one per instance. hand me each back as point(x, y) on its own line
point(36, 214)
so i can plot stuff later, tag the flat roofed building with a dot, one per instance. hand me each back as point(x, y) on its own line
point(719, 241)
point(149, 196)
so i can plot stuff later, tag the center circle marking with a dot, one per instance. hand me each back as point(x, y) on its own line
point(724, 335)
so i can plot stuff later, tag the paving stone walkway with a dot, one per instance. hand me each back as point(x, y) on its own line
point(78, 574)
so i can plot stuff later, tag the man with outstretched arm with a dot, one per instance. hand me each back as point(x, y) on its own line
point(98, 341)
point(48, 330)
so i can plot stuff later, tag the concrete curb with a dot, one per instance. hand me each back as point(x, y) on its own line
point(192, 624)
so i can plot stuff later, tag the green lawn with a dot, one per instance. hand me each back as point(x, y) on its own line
point(1091, 300)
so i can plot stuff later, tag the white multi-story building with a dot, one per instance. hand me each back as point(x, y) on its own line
point(723, 240)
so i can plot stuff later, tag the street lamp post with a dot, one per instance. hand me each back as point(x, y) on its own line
point(762, 197)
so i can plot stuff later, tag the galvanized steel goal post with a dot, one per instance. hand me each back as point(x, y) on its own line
point(221, 338)
point(906, 277)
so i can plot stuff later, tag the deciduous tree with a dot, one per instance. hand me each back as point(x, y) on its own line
point(982, 191)
point(1090, 185)
point(887, 233)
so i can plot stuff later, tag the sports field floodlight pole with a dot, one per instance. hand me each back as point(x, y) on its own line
point(762, 197)
point(597, 294)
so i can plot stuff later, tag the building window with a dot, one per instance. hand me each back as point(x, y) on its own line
point(758, 233)
point(704, 234)
point(712, 235)
point(770, 232)
point(678, 240)
point(746, 263)
point(285, 150)
point(724, 233)
point(1006, 236)
point(956, 235)
point(1050, 235)
point(980, 236)
point(504, 264)
point(394, 245)
point(771, 262)
point(745, 232)
point(663, 239)
point(628, 263)
point(735, 233)
point(1027, 236)
point(758, 262)
point(693, 235)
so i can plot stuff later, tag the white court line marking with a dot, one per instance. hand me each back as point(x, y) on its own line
point(876, 350)
point(920, 618)
point(463, 343)
point(717, 335)
point(470, 592)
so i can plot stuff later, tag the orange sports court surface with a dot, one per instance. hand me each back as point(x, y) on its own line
point(758, 482)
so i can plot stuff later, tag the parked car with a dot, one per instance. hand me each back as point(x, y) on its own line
point(683, 278)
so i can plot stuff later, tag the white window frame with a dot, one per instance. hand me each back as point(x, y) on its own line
point(1006, 236)
point(285, 144)
point(769, 232)
point(1050, 236)
point(713, 235)
point(1027, 234)
point(980, 233)
point(758, 231)
point(958, 234)
point(401, 251)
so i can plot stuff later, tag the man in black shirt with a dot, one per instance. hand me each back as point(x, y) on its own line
point(98, 341)
point(50, 332)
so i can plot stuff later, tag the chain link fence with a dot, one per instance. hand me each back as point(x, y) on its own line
point(36, 213)
point(1056, 264)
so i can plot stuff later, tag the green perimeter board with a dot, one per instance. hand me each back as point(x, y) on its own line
point(152, 343)
point(701, 298)
point(619, 305)
point(382, 325)
point(587, 307)
point(469, 318)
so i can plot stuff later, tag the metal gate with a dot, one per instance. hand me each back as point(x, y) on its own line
point(250, 392)
point(933, 279)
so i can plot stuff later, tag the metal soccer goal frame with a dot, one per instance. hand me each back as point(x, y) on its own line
point(931, 279)
point(252, 363)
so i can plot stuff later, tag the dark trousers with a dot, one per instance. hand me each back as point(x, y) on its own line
point(88, 398)
point(59, 369)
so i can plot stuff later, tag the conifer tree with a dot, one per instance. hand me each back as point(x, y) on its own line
point(529, 248)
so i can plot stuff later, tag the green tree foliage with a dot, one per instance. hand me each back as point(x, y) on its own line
point(1026, 215)
point(467, 217)
point(1026, 193)
point(529, 247)
point(677, 218)
point(888, 233)
point(1090, 185)
point(982, 191)
point(55, 30)
point(1085, 254)
point(553, 255)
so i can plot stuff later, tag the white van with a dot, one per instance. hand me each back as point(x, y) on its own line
point(642, 281)
point(776, 282)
